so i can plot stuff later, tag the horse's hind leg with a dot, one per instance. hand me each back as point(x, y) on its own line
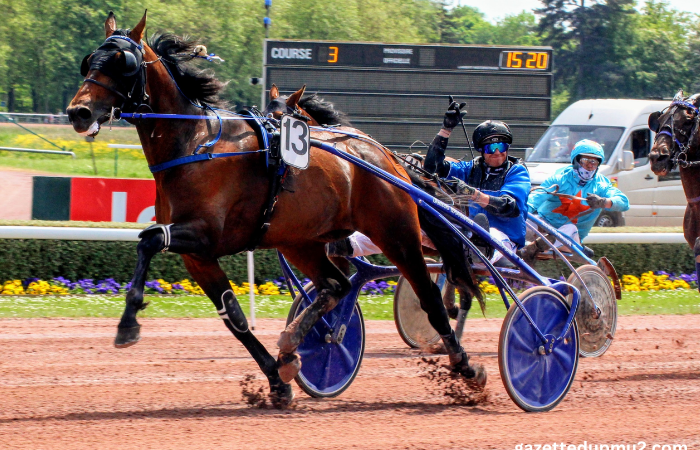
point(409, 260)
point(212, 279)
point(331, 286)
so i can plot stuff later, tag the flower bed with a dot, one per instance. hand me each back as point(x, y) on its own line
point(649, 281)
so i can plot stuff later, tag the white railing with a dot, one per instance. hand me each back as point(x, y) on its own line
point(115, 234)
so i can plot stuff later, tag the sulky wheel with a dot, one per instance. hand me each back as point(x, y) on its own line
point(535, 379)
point(410, 319)
point(328, 368)
point(596, 331)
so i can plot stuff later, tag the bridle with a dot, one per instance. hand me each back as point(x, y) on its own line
point(679, 152)
point(133, 94)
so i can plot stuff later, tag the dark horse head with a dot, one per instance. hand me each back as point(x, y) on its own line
point(677, 131)
point(116, 75)
point(319, 111)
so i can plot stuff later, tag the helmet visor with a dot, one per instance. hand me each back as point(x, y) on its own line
point(494, 147)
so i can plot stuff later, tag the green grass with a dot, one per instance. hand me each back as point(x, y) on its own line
point(276, 306)
point(130, 163)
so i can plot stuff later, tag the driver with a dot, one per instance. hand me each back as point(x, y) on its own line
point(496, 185)
point(572, 217)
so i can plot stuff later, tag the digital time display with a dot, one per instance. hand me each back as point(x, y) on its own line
point(524, 60)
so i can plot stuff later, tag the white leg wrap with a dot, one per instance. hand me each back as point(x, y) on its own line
point(166, 234)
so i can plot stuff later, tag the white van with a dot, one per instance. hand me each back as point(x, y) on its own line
point(620, 126)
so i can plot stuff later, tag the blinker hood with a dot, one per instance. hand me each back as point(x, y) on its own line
point(103, 59)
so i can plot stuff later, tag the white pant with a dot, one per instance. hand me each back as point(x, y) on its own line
point(363, 246)
point(568, 229)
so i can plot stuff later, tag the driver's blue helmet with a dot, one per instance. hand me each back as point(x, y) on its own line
point(587, 147)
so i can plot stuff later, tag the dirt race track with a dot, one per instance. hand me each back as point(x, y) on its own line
point(63, 386)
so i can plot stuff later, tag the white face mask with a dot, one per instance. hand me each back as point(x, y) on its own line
point(584, 175)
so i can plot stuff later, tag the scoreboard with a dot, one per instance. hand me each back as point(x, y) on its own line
point(398, 92)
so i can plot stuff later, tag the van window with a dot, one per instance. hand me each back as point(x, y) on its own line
point(638, 143)
point(558, 141)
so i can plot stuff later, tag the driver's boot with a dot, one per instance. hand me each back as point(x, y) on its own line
point(530, 251)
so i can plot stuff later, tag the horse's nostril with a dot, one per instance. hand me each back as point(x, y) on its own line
point(79, 113)
point(84, 113)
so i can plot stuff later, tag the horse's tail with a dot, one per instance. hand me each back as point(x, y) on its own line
point(458, 270)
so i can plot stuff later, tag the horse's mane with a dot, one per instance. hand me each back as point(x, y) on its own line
point(197, 84)
point(323, 111)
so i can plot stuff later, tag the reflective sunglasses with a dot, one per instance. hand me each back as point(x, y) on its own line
point(490, 149)
point(589, 161)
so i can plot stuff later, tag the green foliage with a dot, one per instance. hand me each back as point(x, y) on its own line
point(467, 25)
point(608, 49)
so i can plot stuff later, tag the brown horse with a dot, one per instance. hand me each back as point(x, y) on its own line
point(213, 208)
point(677, 143)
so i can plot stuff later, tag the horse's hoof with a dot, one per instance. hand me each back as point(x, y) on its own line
point(288, 366)
point(126, 337)
point(287, 342)
point(475, 374)
point(480, 377)
point(282, 396)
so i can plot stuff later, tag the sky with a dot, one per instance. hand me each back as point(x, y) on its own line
point(497, 9)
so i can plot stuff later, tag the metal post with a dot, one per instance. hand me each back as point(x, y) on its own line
point(90, 139)
point(267, 21)
point(251, 285)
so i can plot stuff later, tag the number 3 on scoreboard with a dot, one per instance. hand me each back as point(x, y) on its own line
point(332, 55)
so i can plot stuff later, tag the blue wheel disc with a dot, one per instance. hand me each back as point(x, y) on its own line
point(534, 381)
point(328, 368)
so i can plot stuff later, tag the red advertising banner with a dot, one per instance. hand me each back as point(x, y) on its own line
point(113, 200)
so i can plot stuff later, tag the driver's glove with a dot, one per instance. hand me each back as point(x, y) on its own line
point(596, 201)
point(453, 115)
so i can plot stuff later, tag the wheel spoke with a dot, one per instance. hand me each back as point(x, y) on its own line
point(347, 358)
point(521, 378)
point(327, 373)
point(522, 341)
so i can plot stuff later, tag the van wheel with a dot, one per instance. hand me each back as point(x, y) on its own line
point(605, 220)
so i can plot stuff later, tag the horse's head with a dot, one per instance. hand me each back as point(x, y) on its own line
point(677, 131)
point(279, 105)
point(115, 77)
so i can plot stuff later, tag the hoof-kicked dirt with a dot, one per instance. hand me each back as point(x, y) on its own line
point(190, 385)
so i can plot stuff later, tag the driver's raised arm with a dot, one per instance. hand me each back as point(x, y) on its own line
point(435, 159)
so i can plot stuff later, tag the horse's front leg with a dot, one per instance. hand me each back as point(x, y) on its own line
point(178, 238)
point(212, 279)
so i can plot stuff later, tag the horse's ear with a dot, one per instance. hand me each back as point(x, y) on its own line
point(295, 97)
point(695, 100)
point(137, 33)
point(110, 25)
point(654, 121)
point(274, 92)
